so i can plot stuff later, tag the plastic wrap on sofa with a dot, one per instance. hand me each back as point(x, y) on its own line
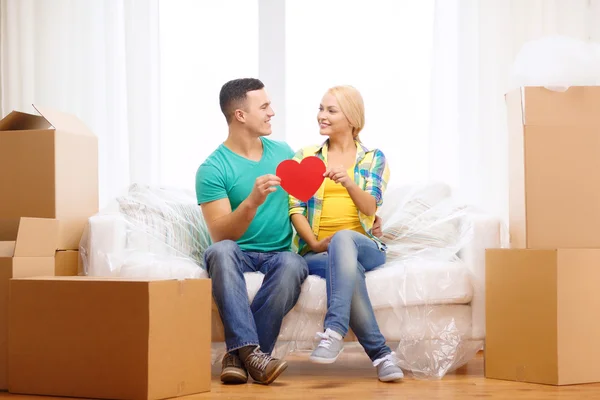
point(153, 233)
point(428, 297)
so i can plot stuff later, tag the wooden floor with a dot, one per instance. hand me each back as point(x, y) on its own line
point(352, 377)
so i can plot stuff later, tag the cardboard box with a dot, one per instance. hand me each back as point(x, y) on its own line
point(120, 339)
point(49, 169)
point(29, 253)
point(66, 263)
point(541, 315)
point(554, 188)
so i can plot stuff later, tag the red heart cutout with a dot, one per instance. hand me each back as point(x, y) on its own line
point(301, 180)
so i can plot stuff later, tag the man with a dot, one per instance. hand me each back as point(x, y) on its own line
point(246, 212)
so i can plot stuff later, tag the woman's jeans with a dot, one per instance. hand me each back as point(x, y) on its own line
point(349, 256)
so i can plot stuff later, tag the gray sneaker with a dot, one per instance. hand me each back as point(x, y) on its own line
point(329, 348)
point(388, 369)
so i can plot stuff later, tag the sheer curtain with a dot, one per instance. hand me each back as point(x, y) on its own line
point(475, 44)
point(97, 60)
point(384, 49)
point(145, 76)
point(203, 45)
point(433, 75)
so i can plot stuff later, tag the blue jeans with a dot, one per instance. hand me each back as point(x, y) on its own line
point(349, 256)
point(258, 323)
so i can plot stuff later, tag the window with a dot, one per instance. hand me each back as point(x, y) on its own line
point(384, 49)
point(203, 44)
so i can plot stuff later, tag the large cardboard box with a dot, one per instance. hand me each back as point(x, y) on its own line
point(109, 338)
point(541, 315)
point(48, 169)
point(29, 253)
point(554, 189)
point(66, 263)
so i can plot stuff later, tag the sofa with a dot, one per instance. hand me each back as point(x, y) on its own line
point(428, 298)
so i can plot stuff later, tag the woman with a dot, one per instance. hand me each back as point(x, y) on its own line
point(334, 229)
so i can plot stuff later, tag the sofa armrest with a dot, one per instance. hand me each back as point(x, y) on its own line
point(487, 232)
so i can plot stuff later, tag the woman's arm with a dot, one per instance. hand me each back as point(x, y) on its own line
point(364, 201)
point(379, 176)
point(367, 201)
point(298, 212)
point(305, 232)
point(296, 206)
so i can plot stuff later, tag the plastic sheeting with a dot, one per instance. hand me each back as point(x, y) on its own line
point(423, 222)
point(427, 298)
point(147, 233)
point(557, 62)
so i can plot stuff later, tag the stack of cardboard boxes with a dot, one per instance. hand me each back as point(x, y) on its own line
point(68, 335)
point(542, 294)
point(49, 165)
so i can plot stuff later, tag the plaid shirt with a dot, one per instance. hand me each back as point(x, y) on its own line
point(371, 174)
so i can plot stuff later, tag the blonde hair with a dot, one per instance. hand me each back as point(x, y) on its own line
point(351, 103)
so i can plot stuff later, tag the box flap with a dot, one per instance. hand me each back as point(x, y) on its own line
point(18, 121)
point(7, 249)
point(36, 237)
point(64, 122)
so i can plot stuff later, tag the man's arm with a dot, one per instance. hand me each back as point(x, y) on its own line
point(223, 224)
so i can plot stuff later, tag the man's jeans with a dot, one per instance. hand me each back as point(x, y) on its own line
point(349, 256)
point(257, 323)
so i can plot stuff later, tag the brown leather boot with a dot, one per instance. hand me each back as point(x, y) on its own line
point(233, 370)
point(262, 367)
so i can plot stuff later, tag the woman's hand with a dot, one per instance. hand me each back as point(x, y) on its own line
point(321, 245)
point(339, 175)
point(376, 230)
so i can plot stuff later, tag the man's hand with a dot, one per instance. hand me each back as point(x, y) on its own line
point(263, 186)
point(339, 175)
point(321, 245)
point(376, 230)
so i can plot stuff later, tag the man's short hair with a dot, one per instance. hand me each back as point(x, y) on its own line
point(233, 93)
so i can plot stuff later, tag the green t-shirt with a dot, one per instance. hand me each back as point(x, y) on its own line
point(226, 174)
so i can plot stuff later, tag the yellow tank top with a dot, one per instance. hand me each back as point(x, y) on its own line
point(339, 211)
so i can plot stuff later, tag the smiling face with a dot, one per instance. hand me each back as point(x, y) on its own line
point(257, 112)
point(331, 119)
point(341, 112)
